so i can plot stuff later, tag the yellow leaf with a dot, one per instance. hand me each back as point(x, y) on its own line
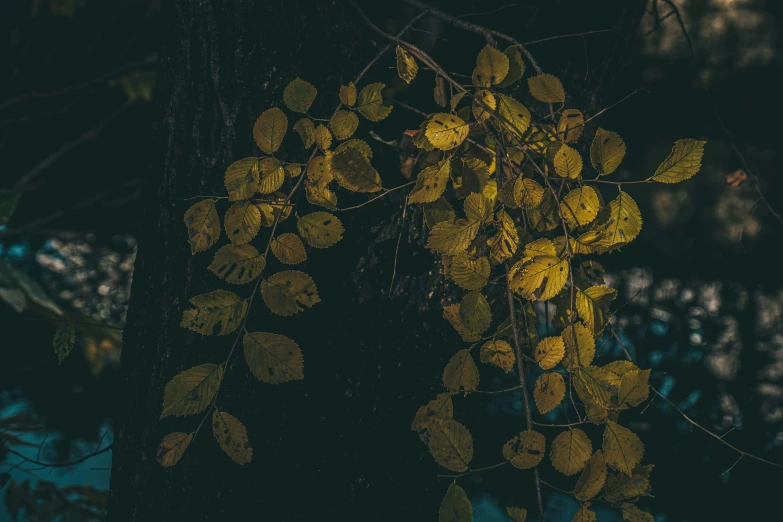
point(323, 138)
point(549, 352)
point(503, 245)
point(406, 65)
point(357, 144)
point(478, 207)
point(606, 152)
point(632, 513)
point(546, 216)
point(306, 130)
point(446, 131)
point(528, 194)
point(293, 170)
point(269, 130)
point(596, 388)
point(580, 353)
point(273, 358)
point(64, 339)
point(539, 279)
point(498, 353)
point(288, 249)
point(491, 66)
point(592, 305)
point(568, 162)
point(468, 273)
point(622, 448)
point(354, 172)
point(683, 163)
point(580, 206)
point(450, 444)
point(620, 368)
point(218, 306)
point(517, 514)
point(370, 103)
point(172, 447)
point(320, 195)
point(242, 223)
point(237, 264)
point(455, 99)
point(592, 479)
point(620, 485)
point(516, 67)
point(570, 125)
point(272, 175)
point(203, 225)
point(431, 183)
point(570, 451)
point(514, 115)
point(348, 94)
point(584, 514)
point(475, 312)
point(453, 237)
point(242, 178)
point(546, 88)
point(549, 391)
point(526, 450)
point(285, 291)
point(343, 124)
point(191, 391)
point(539, 247)
point(623, 224)
point(441, 407)
point(320, 229)
point(461, 372)
point(231, 435)
point(319, 171)
point(299, 95)
point(452, 315)
point(634, 388)
point(455, 506)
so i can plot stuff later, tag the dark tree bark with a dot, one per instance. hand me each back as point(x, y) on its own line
point(337, 444)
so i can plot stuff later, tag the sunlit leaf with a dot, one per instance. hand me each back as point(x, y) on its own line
point(446, 131)
point(528, 194)
point(498, 353)
point(504, 243)
point(622, 448)
point(592, 305)
point(172, 447)
point(540, 278)
point(357, 144)
point(606, 152)
point(231, 435)
point(272, 175)
point(320, 195)
point(343, 124)
point(273, 358)
point(470, 274)
point(323, 138)
point(406, 65)
point(213, 308)
point(683, 163)
point(492, 65)
point(269, 130)
point(348, 94)
point(286, 292)
point(622, 225)
point(525, 450)
point(203, 225)
point(549, 352)
point(191, 391)
point(580, 351)
point(299, 95)
point(431, 183)
point(370, 103)
point(549, 391)
point(570, 451)
point(513, 115)
point(461, 372)
point(568, 162)
point(570, 125)
point(634, 388)
point(516, 67)
point(580, 206)
point(453, 237)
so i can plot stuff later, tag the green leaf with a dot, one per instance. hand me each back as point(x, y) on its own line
point(516, 67)
point(406, 65)
point(203, 225)
point(438, 211)
point(452, 315)
point(64, 339)
point(491, 66)
point(231, 435)
point(320, 229)
point(475, 312)
point(370, 103)
point(683, 163)
point(191, 391)
point(273, 358)
point(8, 201)
point(344, 124)
point(431, 183)
point(546, 88)
point(237, 264)
point(285, 291)
point(213, 308)
point(269, 130)
point(354, 172)
point(446, 131)
point(606, 151)
point(299, 95)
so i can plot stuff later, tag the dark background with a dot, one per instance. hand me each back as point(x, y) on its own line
point(83, 143)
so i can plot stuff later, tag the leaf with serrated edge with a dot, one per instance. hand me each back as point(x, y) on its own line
point(539, 279)
point(242, 178)
point(453, 237)
point(570, 451)
point(272, 175)
point(498, 353)
point(455, 506)
point(203, 225)
point(526, 450)
point(370, 102)
point(634, 388)
point(242, 222)
point(546, 88)
point(64, 339)
point(348, 94)
point(592, 479)
point(452, 315)
point(406, 65)
point(446, 131)
point(299, 95)
point(237, 264)
point(172, 447)
point(683, 163)
point(353, 171)
point(191, 391)
point(450, 444)
point(231, 435)
point(461, 372)
point(549, 352)
point(513, 115)
point(631, 513)
point(289, 249)
point(579, 353)
point(606, 151)
point(492, 65)
point(431, 183)
point(517, 514)
point(343, 124)
point(323, 138)
point(468, 273)
point(269, 130)
point(623, 449)
point(570, 125)
point(580, 206)
point(475, 312)
point(549, 391)
point(592, 305)
point(320, 229)
point(528, 194)
point(306, 130)
point(516, 67)
point(584, 514)
point(286, 292)
point(273, 358)
point(567, 162)
point(441, 407)
point(213, 308)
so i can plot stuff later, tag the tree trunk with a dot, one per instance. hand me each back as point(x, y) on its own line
point(338, 443)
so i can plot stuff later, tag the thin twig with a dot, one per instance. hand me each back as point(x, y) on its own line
point(384, 194)
point(397, 249)
point(475, 470)
point(60, 464)
point(597, 31)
